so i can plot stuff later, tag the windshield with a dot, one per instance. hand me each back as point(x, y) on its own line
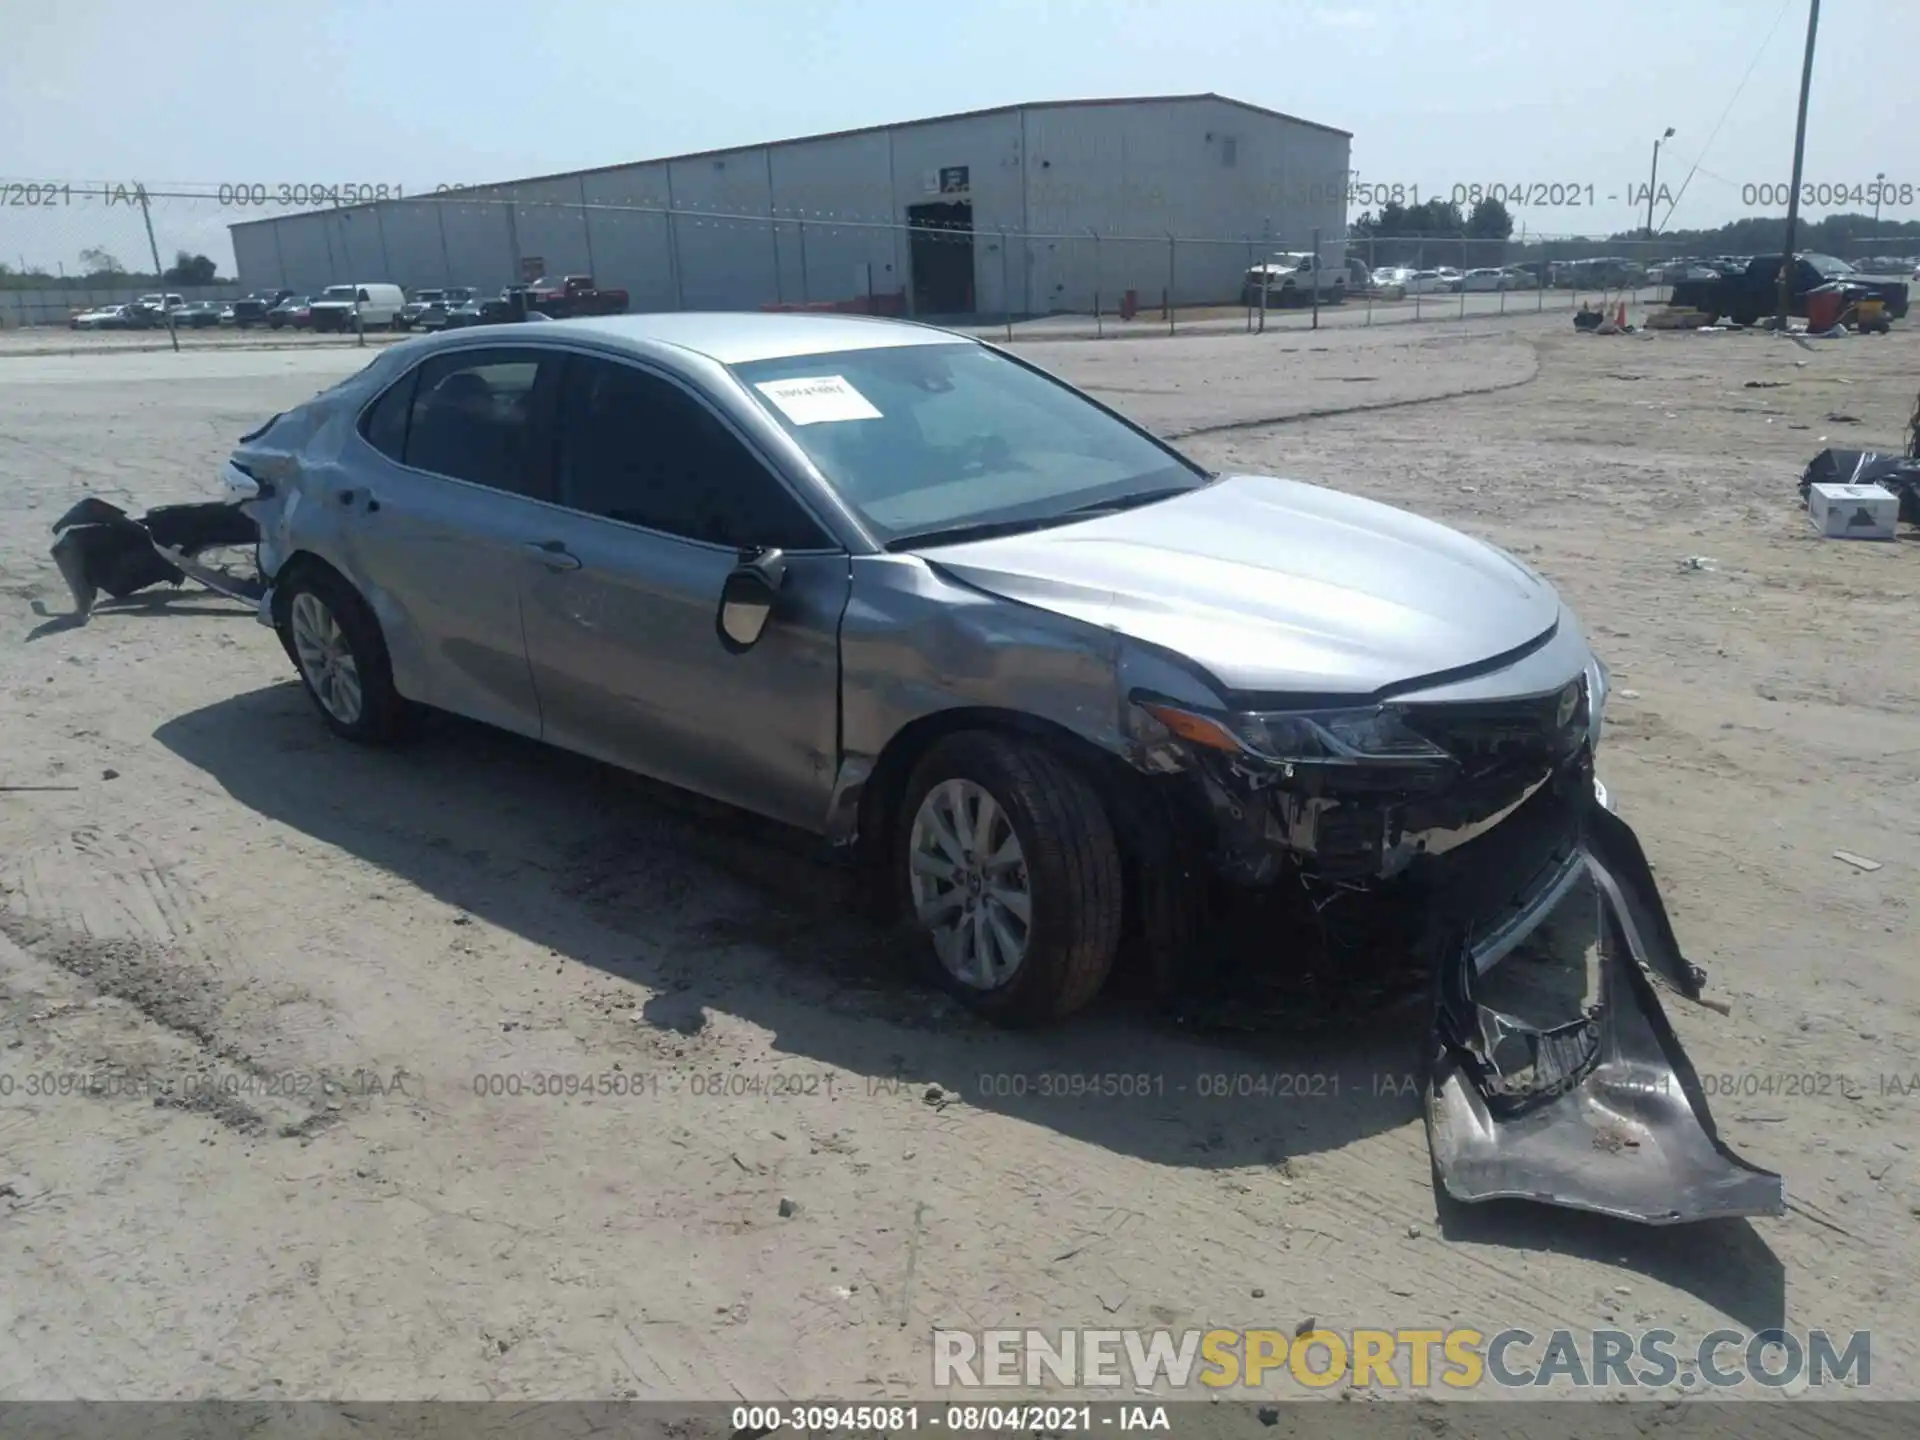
point(338, 292)
point(426, 297)
point(1828, 266)
point(925, 438)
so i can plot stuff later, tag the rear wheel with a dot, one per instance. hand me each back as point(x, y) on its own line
point(336, 645)
point(1012, 870)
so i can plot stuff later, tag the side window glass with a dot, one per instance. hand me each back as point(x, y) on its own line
point(637, 448)
point(385, 422)
point(472, 418)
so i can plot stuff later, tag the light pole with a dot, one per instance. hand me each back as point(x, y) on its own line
point(1784, 301)
point(1879, 183)
point(1653, 180)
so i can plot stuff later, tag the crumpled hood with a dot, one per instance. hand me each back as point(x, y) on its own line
point(1275, 585)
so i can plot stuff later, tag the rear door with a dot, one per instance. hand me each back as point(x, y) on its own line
point(452, 468)
point(658, 500)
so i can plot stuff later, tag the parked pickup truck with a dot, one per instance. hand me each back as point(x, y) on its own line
point(1291, 277)
point(1747, 296)
point(574, 295)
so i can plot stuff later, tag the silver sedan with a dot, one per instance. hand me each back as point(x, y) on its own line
point(1049, 678)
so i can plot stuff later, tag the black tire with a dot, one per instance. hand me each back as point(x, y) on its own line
point(1072, 863)
point(384, 714)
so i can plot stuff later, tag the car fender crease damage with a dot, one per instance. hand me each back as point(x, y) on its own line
point(1602, 1112)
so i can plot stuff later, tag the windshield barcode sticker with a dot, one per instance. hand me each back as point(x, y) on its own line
point(812, 399)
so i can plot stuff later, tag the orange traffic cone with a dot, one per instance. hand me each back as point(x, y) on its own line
point(1620, 316)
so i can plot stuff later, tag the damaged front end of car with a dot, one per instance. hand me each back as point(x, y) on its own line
point(1484, 821)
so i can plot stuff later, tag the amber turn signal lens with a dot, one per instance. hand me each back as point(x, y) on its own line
point(1195, 729)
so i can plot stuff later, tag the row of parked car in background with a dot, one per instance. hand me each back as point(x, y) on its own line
point(1396, 282)
point(1288, 278)
point(371, 305)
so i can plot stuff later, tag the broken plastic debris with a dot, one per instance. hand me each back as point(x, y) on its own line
point(1859, 862)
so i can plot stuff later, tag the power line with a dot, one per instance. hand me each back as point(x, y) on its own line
point(1729, 110)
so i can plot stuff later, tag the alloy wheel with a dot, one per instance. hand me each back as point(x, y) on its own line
point(326, 658)
point(970, 884)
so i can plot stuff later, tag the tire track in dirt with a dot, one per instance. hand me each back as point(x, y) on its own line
point(1367, 406)
point(106, 909)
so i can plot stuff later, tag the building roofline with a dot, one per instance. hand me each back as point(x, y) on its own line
point(869, 130)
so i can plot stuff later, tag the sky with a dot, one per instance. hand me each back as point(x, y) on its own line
point(1534, 93)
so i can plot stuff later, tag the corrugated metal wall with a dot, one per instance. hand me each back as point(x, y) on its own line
point(1183, 195)
point(823, 220)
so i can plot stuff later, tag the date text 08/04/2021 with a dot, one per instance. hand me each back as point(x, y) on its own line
point(894, 1419)
point(1584, 194)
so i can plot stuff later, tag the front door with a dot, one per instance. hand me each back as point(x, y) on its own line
point(658, 501)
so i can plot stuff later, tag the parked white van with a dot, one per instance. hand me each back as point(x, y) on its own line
point(378, 304)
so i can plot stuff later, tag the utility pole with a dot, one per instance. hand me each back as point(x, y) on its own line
point(1653, 180)
point(1785, 302)
point(158, 274)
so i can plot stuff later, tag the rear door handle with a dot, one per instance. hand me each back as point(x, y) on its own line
point(554, 554)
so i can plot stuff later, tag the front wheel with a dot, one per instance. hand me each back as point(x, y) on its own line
point(1012, 870)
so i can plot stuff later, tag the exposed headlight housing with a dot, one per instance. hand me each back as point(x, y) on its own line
point(1373, 735)
point(1599, 682)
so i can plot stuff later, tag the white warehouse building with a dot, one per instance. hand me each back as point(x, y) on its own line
point(1023, 209)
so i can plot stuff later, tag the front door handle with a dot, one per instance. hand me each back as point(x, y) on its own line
point(554, 554)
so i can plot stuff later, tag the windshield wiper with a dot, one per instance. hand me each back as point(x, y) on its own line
point(1133, 501)
point(978, 530)
point(991, 529)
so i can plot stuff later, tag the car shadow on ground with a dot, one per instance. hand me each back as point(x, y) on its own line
point(713, 911)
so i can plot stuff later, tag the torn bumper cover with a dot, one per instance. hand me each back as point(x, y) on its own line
point(1601, 1113)
point(102, 548)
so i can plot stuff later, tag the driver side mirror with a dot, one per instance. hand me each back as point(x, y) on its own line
point(747, 599)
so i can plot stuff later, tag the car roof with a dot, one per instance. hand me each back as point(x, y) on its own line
point(736, 338)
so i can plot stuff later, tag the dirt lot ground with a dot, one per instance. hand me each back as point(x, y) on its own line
point(331, 955)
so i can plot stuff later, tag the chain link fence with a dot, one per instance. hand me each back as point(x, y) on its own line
point(69, 248)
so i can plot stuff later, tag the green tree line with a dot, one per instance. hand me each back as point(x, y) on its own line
point(102, 270)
